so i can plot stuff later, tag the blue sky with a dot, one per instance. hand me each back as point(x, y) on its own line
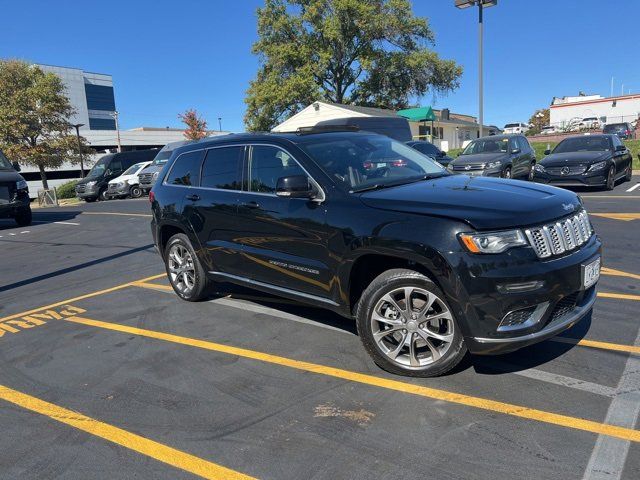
point(167, 56)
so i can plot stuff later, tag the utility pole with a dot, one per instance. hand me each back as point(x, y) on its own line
point(77, 127)
point(115, 117)
point(219, 124)
point(611, 87)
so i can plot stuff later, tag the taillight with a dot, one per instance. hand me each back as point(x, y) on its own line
point(367, 165)
point(399, 163)
point(152, 196)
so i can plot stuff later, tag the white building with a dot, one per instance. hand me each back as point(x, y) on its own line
point(91, 95)
point(450, 130)
point(566, 111)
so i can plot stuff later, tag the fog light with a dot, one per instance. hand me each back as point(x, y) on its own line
point(522, 318)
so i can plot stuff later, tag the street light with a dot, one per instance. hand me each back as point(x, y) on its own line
point(481, 4)
point(77, 127)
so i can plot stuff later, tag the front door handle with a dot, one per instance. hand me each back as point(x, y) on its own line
point(251, 205)
point(193, 197)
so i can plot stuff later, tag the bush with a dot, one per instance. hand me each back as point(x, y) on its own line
point(67, 190)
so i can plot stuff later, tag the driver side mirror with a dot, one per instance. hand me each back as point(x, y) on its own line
point(547, 151)
point(108, 172)
point(515, 151)
point(620, 148)
point(15, 166)
point(295, 186)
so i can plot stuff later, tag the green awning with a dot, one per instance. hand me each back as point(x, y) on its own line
point(420, 114)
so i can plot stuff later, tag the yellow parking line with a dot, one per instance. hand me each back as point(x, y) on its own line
point(601, 345)
point(395, 385)
point(621, 296)
point(137, 443)
point(153, 286)
point(618, 273)
point(625, 217)
point(81, 297)
point(119, 213)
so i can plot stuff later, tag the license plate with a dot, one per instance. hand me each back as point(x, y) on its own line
point(591, 273)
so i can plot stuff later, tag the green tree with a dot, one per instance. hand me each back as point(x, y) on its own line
point(34, 113)
point(361, 52)
point(196, 125)
point(539, 119)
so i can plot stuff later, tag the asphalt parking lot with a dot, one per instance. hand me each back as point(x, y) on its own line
point(105, 373)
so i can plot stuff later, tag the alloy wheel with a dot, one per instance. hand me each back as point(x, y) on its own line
point(412, 327)
point(611, 179)
point(182, 271)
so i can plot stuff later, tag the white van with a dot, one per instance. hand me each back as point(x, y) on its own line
point(515, 128)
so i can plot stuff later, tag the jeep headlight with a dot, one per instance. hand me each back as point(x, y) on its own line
point(491, 165)
point(21, 185)
point(597, 166)
point(91, 183)
point(493, 242)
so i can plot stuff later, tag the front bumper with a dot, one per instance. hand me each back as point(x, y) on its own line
point(84, 191)
point(591, 179)
point(19, 202)
point(115, 190)
point(480, 299)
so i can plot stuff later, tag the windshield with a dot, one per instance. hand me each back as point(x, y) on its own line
point(4, 163)
point(426, 147)
point(512, 125)
point(360, 161)
point(99, 168)
point(162, 157)
point(487, 145)
point(583, 144)
point(612, 127)
point(134, 168)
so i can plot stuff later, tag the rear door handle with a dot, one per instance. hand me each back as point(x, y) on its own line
point(193, 197)
point(251, 205)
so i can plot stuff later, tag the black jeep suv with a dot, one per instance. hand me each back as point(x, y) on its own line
point(430, 264)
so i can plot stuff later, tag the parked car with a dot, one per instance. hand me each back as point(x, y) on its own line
point(94, 186)
point(549, 130)
point(431, 150)
point(430, 264)
point(14, 193)
point(506, 156)
point(394, 127)
point(590, 123)
point(513, 128)
point(127, 185)
point(622, 130)
point(147, 176)
point(586, 160)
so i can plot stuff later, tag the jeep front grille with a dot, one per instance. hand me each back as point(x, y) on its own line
point(560, 237)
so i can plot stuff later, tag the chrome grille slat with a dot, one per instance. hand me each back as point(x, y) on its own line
point(559, 237)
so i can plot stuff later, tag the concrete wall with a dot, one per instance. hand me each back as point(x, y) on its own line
point(627, 109)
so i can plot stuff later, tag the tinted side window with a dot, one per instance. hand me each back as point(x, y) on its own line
point(268, 164)
point(524, 144)
point(115, 166)
point(222, 168)
point(186, 169)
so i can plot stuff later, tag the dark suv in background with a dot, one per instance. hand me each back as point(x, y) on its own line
point(430, 264)
point(622, 130)
point(14, 193)
point(506, 156)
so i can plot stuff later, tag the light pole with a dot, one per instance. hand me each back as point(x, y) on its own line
point(481, 4)
point(219, 124)
point(114, 115)
point(77, 127)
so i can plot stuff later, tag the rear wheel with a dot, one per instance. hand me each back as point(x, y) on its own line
point(627, 177)
point(407, 327)
point(611, 179)
point(103, 195)
point(23, 217)
point(90, 199)
point(186, 274)
point(135, 191)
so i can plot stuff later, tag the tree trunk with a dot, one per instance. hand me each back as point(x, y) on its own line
point(43, 176)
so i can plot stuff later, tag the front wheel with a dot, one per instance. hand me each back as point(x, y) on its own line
point(627, 177)
point(406, 325)
point(506, 173)
point(103, 196)
point(532, 171)
point(135, 192)
point(186, 274)
point(611, 179)
point(24, 217)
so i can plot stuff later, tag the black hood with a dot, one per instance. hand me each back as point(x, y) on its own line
point(478, 158)
point(574, 158)
point(483, 202)
point(10, 176)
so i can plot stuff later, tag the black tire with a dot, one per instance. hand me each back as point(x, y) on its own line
point(611, 179)
point(103, 195)
point(202, 285)
point(627, 177)
point(135, 191)
point(24, 217)
point(506, 173)
point(389, 282)
point(90, 199)
point(532, 172)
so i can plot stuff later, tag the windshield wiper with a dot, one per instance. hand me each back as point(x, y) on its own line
point(406, 181)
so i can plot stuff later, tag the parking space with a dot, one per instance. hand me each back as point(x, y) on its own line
point(108, 374)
